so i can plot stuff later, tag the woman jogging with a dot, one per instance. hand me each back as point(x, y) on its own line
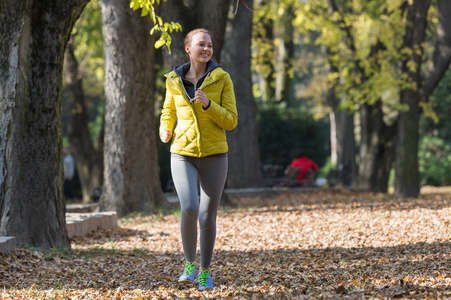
point(201, 101)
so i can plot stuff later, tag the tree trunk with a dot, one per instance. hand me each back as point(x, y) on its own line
point(385, 158)
point(285, 53)
point(342, 136)
point(131, 175)
point(244, 153)
point(407, 178)
point(333, 139)
point(345, 147)
point(376, 148)
point(33, 37)
point(370, 123)
point(88, 159)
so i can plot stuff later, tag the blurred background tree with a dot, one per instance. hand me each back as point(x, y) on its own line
point(84, 101)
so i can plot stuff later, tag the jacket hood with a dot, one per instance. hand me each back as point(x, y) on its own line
point(181, 70)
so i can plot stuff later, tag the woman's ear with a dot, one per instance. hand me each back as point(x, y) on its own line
point(187, 49)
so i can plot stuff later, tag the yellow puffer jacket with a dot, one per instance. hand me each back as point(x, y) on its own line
point(200, 132)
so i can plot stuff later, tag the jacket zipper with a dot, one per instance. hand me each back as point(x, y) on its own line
point(191, 102)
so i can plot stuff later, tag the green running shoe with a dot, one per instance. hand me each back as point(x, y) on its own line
point(205, 281)
point(189, 274)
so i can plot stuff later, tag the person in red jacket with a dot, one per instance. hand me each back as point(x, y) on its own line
point(306, 168)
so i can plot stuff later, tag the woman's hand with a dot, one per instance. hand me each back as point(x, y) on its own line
point(202, 98)
point(166, 135)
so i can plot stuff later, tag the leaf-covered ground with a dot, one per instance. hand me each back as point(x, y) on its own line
point(323, 244)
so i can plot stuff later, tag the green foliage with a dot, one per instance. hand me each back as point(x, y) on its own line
point(263, 44)
point(435, 145)
point(272, 40)
point(326, 168)
point(284, 131)
point(355, 49)
point(88, 49)
point(437, 120)
point(435, 162)
point(97, 117)
point(148, 9)
point(50, 254)
point(363, 41)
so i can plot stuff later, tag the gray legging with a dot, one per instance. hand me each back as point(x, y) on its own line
point(188, 173)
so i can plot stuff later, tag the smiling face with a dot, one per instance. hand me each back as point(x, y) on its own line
point(201, 48)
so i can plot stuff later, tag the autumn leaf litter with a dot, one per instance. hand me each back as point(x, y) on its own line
point(304, 245)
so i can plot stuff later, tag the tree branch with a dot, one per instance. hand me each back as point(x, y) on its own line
point(442, 55)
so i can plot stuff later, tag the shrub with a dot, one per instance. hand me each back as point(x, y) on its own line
point(283, 131)
point(434, 162)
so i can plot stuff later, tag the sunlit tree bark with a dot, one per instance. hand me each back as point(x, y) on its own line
point(131, 174)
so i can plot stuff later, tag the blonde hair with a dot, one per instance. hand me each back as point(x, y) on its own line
point(189, 36)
